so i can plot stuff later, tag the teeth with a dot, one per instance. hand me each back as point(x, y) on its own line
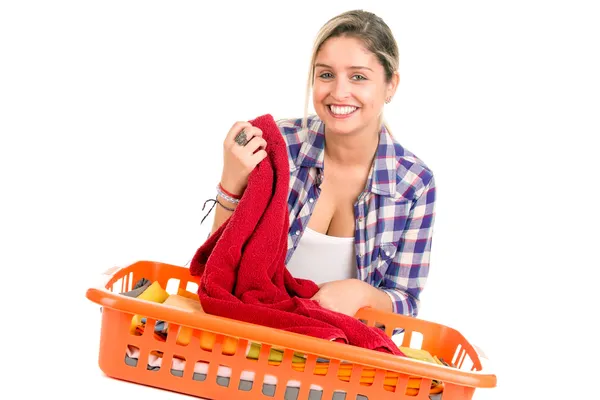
point(341, 110)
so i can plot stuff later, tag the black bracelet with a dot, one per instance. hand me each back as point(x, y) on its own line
point(227, 208)
point(215, 201)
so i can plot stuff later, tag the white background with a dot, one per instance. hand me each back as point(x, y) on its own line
point(112, 116)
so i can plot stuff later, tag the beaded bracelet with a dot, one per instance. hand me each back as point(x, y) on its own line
point(227, 196)
point(229, 193)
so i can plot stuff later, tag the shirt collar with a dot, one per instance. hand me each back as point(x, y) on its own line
point(382, 176)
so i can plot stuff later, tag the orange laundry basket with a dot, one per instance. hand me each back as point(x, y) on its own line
point(223, 370)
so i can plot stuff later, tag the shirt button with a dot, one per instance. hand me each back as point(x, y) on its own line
point(387, 253)
point(297, 233)
point(360, 219)
point(311, 200)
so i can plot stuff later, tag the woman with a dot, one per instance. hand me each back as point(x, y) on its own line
point(361, 206)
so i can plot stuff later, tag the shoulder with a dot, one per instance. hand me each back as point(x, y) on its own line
point(294, 134)
point(291, 129)
point(413, 175)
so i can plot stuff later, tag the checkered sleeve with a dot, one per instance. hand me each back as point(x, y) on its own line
point(406, 277)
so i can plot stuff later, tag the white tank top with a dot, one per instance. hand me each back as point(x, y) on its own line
point(323, 258)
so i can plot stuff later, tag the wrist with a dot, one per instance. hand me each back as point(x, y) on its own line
point(227, 201)
point(234, 190)
point(228, 193)
point(226, 205)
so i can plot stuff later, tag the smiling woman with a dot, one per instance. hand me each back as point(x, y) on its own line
point(361, 206)
point(349, 83)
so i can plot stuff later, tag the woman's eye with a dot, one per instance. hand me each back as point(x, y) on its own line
point(323, 75)
point(360, 77)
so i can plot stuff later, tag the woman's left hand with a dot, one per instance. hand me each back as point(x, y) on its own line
point(345, 296)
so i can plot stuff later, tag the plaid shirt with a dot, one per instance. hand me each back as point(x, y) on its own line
point(394, 215)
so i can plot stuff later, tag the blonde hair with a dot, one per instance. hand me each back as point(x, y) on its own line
point(365, 26)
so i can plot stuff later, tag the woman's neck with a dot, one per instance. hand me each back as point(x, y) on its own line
point(353, 150)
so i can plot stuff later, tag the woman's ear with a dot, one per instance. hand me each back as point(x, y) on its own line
point(393, 85)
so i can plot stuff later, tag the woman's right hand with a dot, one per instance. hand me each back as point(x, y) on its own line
point(239, 161)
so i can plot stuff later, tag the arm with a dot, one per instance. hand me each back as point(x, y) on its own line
point(221, 214)
point(405, 280)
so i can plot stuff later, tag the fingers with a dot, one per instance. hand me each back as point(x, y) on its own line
point(242, 159)
point(254, 151)
point(235, 129)
point(258, 157)
point(250, 131)
point(256, 143)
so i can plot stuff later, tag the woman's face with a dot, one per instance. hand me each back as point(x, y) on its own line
point(349, 88)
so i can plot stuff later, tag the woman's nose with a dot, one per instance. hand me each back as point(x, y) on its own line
point(340, 89)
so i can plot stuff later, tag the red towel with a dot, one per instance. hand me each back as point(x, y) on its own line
point(243, 263)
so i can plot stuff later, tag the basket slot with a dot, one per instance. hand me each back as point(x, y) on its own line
point(207, 341)
point(131, 350)
point(199, 376)
point(224, 381)
point(172, 285)
point(179, 367)
point(191, 287)
point(150, 360)
point(466, 363)
point(230, 347)
point(246, 386)
point(130, 281)
point(270, 390)
point(457, 356)
point(416, 342)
